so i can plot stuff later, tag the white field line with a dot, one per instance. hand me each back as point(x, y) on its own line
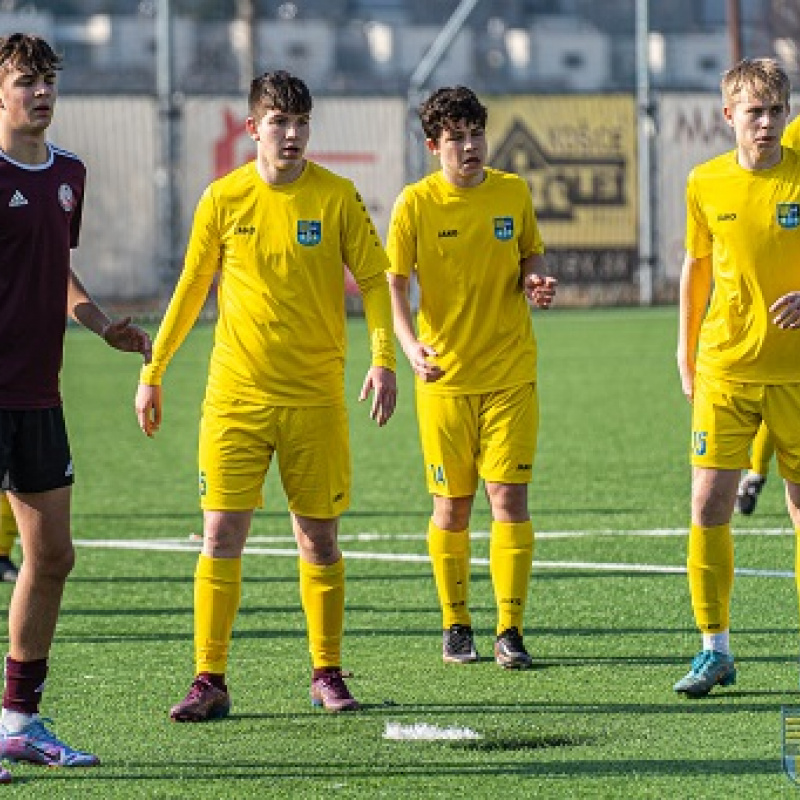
point(371, 536)
point(192, 545)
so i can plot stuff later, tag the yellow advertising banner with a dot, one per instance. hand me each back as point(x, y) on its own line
point(578, 155)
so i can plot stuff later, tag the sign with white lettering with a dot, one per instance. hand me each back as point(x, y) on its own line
point(691, 130)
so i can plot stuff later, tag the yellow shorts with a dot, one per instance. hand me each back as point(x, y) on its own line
point(467, 437)
point(726, 417)
point(237, 440)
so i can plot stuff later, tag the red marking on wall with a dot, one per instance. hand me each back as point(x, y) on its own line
point(225, 146)
point(234, 130)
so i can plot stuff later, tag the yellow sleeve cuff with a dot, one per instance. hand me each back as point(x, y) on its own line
point(383, 354)
point(151, 374)
point(378, 311)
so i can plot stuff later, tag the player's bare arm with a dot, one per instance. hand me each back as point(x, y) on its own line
point(382, 384)
point(121, 334)
point(148, 408)
point(787, 311)
point(539, 289)
point(695, 290)
point(419, 355)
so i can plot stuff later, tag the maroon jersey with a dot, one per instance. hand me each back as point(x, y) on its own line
point(40, 219)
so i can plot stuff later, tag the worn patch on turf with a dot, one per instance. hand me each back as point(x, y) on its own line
point(422, 731)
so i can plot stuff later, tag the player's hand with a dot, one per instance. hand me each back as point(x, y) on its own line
point(788, 311)
point(686, 372)
point(148, 408)
point(540, 289)
point(384, 384)
point(130, 338)
point(419, 356)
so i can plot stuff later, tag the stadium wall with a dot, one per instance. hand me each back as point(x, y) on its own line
point(116, 137)
point(578, 154)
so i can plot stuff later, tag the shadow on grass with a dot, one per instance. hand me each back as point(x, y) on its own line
point(431, 767)
point(678, 706)
point(196, 514)
point(500, 744)
point(575, 510)
point(187, 579)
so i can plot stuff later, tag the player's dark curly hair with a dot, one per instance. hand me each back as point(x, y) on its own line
point(448, 106)
point(281, 91)
point(28, 52)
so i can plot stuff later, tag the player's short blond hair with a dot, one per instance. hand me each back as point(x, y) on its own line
point(762, 77)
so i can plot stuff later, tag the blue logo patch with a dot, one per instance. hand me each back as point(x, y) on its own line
point(309, 232)
point(789, 215)
point(504, 228)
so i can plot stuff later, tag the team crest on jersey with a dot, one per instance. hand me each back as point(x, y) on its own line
point(789, 215)
point(309, 232)
point(66, 197)
point(504, 228)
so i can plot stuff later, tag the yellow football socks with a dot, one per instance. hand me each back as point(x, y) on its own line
point(510, 557)
point(217, 593)
point(710, 570)
point(8, 526)
point(449, 552)
point(322, 595)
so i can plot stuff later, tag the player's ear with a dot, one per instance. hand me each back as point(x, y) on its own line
point(252, 128)
point(432, 146)
point(727, 112)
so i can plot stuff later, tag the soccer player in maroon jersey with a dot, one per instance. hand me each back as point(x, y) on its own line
point(41, 200)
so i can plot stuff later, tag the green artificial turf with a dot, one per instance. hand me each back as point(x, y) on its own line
point(596, 718)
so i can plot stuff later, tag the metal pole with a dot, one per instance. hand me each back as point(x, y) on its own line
point(645, 130)
point(245, 43)
point(167, 197)
point(735, 30)
point(415, 155)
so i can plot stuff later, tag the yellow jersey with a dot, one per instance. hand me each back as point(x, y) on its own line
point(748, 222)
point(278, 252)
point(466, 246)
point(791, 136)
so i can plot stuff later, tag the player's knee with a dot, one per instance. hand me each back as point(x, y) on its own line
point(320, 548)
point(713, 496)
point(54, 563)
point(451, 513)
point(709, 515)
point(509, 501)
point(325, 553)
